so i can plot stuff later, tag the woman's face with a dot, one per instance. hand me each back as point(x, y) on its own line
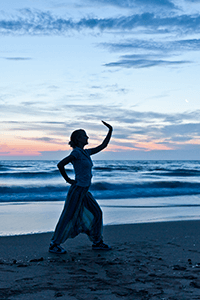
point(83, 138)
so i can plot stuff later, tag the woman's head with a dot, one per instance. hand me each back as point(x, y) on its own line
point(78, 138)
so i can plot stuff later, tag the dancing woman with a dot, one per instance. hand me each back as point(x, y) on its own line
point(81, 213)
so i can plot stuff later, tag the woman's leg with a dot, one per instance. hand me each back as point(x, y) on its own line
point(68, 223)
point(92, 223)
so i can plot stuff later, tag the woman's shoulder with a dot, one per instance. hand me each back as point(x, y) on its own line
point(75, 152)
point(88, 151)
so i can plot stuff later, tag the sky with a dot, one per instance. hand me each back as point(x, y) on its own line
point(66, 65)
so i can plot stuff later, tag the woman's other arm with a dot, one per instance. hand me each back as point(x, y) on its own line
point(61, 166)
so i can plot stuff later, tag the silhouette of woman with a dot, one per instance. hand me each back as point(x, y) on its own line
point(81, 213)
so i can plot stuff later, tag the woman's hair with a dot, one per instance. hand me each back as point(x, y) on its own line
point(74, 138)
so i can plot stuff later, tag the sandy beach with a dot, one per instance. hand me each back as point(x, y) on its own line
point(148, 261)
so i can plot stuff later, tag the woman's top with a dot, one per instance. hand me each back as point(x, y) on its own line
point(82, 164)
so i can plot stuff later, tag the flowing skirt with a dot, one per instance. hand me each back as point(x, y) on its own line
point(81, 214)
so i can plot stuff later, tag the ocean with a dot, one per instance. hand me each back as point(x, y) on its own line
point(32, 193)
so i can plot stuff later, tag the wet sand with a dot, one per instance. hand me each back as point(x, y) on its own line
point(148, 261)
point(42, 216)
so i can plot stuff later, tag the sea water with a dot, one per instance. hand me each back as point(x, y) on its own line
point(32, 193)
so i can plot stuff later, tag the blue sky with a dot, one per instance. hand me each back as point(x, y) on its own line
point(68, 64)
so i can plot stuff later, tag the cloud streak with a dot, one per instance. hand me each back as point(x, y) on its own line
point(134, 3)
point(45, 139)
point(154, 53)
point(155, 46)
point(35, 22)
point(17, 58)
point(143, 63)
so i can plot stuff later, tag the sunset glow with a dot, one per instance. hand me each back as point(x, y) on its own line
point(69, 65)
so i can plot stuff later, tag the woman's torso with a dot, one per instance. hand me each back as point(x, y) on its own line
point(82, 164)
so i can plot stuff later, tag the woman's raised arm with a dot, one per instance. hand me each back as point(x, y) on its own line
point(105, 141)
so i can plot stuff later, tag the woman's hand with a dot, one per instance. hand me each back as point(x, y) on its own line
point(71, 181)
point(107, 125)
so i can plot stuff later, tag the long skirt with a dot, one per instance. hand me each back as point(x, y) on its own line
point(81, 214)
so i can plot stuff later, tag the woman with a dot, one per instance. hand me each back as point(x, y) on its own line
point(81, 212)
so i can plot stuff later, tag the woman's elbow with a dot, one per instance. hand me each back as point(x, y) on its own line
point(59, 165)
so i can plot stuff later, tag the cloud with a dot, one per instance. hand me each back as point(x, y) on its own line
point(45, 140)
point(154, 53)
point(155, 46)
point(36, 22)
point(27, 108)
point(133, 129)
point(143, 63)
point(17, 58)
point(50, 130)
point(35, 126)
point(133, 3)
point(90, 114)
point(191, 130)
point(30, 103)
